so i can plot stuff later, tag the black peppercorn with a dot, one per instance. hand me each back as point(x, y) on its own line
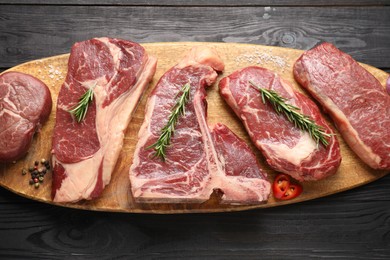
point(37, 173)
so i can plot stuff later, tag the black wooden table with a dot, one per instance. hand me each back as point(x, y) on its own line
point(351, 225)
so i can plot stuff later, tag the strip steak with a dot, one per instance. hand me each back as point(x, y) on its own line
point(353, 97)
point(286, 148)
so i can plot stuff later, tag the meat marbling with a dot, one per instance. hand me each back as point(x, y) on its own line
point(199, 159)
point(25, 104)
point(286, 148)
point(85, 154)
point(354, 98)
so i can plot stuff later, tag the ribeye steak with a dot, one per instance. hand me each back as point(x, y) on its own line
point(199, 159)
point(286, 148)
point(84, 154)
point(25, 104)
point(354, 98)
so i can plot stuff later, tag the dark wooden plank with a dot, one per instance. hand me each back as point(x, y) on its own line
point(28, 32)
point(204, 2)
point(341, 226)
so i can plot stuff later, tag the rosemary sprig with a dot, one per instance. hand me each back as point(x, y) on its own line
point(79, 111)
point(292, 113)
point(167, 131)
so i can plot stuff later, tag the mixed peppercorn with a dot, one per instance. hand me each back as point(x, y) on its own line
point(38, 172)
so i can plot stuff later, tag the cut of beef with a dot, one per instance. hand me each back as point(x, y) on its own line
point(25, 104)
point(84, 154)
point(198, 159)
point(354, 98)
point(286, 148)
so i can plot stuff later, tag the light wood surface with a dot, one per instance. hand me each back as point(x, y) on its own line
point(117, 195)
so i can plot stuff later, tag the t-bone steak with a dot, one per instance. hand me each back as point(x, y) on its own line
point(85, 153)
point(286, 148)
point(354, 98)
point(25, 104)
point(198, 160)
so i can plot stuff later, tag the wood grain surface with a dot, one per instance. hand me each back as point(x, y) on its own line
point(179, 3)
point(363, 32)
point(117, 195)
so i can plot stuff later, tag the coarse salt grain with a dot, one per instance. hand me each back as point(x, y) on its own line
point(262, 57)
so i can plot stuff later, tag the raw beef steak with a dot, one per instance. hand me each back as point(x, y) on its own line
point(354, 98)
point(84, 154)
point(25, 104)
point(198, 159)
point(286, 148)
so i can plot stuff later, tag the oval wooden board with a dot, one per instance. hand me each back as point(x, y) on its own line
point(117, 195)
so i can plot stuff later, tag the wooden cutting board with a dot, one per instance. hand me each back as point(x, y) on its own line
point(117, 196)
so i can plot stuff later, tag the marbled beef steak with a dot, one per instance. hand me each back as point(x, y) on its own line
point(198, 159)
point(25, 104)
point(286, 148)
point(85, 153)
point(353, 97)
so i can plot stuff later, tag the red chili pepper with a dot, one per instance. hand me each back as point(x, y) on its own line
point(281, 184)
point(283, 189)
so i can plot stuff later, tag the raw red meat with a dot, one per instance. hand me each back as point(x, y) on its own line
point(199, 159)
point(85, 154)
point(25, 104)
point(354, 98)
point(286, 148)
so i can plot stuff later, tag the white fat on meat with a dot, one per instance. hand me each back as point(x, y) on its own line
point(301, 151)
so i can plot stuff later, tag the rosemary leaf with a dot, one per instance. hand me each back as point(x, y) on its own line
point(301, 121)
point(167, 131)
point(79, 111)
